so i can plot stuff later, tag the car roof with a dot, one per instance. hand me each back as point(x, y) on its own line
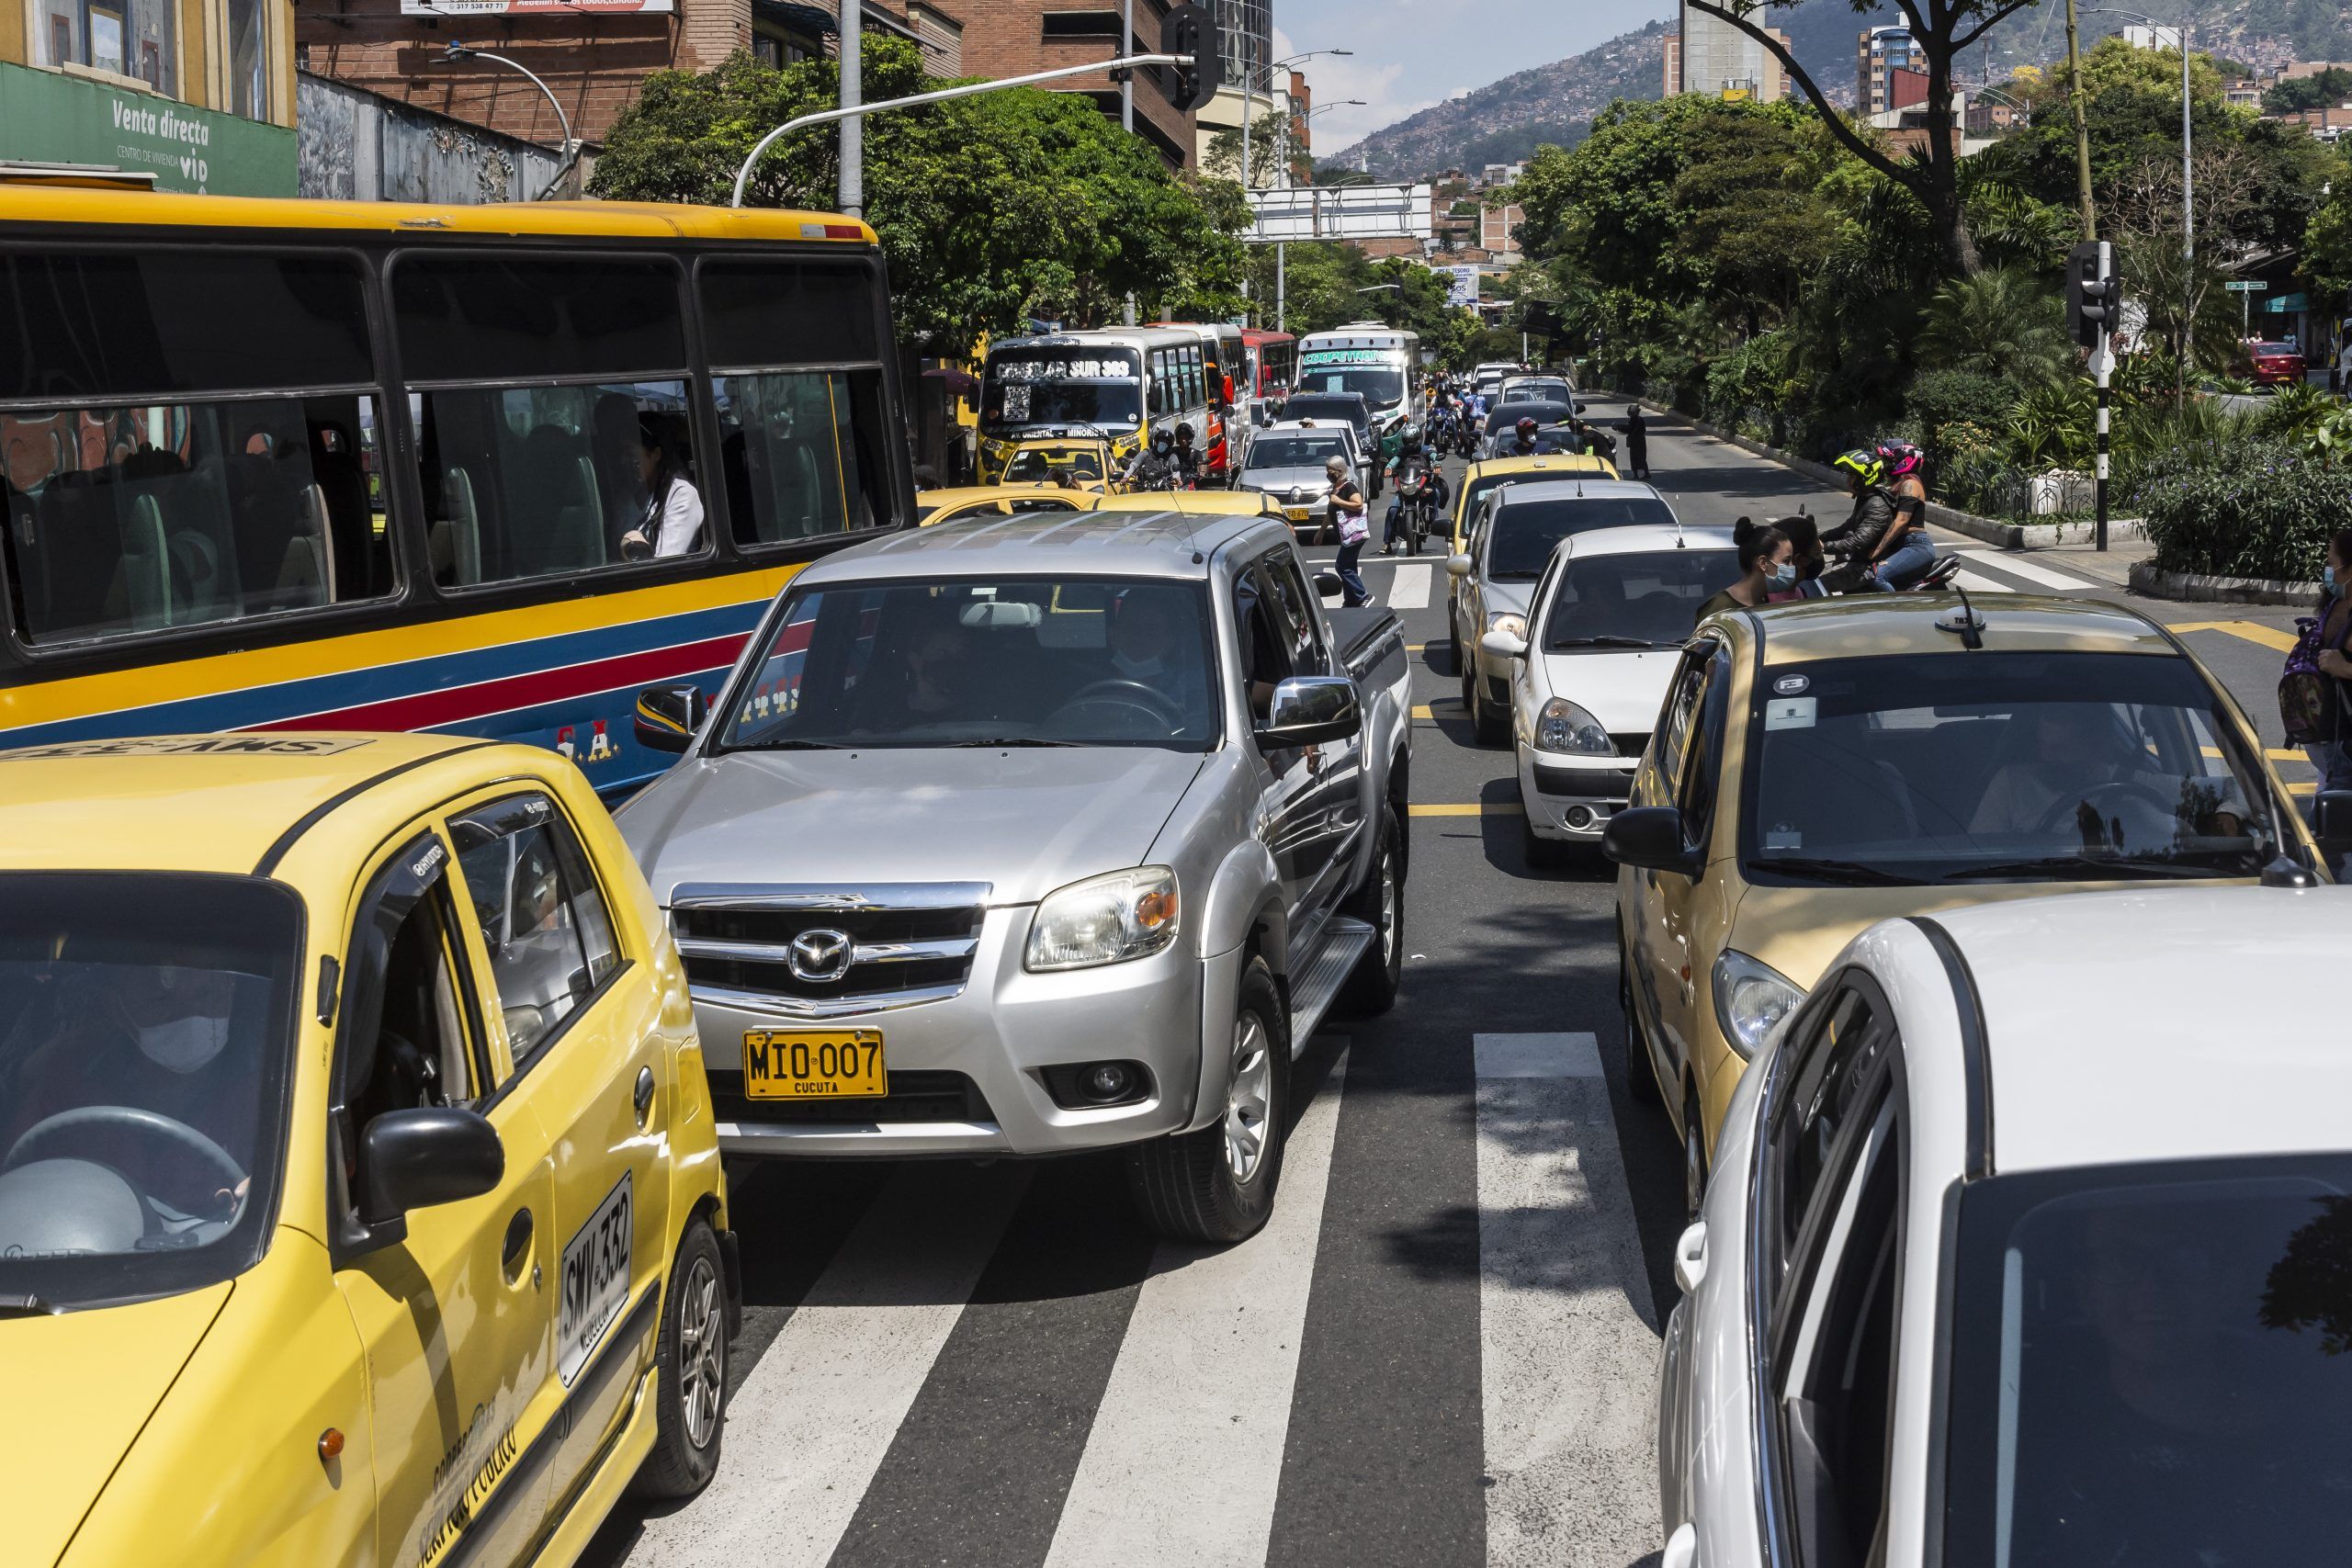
point(1634, 538)
point(201, 803)
point(1300, 427)
point(1868, 623)
point(2159, 1023)
point(1162, 542)
point(1563, 462)
point(1571, 489)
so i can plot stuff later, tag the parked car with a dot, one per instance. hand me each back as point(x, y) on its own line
point(996, 823)
point(2275, 364)
point(1495, 573)
point(1287, 463)
point(361, 1201)
point(1823, 764)
point(1606, 626)
point(2026, 1251)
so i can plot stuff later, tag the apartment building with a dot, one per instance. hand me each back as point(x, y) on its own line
point(1708, 55)
point(1880, 54)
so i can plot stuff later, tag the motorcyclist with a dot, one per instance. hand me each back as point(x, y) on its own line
point(1857, 541)
point(1522, 442)
point(1186, 459)
point(1420, 489)
point(1906, 552)
point(1155, 466)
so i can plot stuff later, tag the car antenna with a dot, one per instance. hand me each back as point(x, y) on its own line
point(1965, 622)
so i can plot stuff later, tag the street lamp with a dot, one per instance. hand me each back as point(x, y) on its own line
point(1282, 312)
point(2188, 188)
point(459, 53)
point(1250, 99)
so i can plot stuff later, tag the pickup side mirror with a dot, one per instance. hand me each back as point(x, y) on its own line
point(1457, 565)
point(1310, 710)
point(1649, 838)
point(2332, 822)
point(1328, 582)
point(1502, 645)
point(669, 715)
point(416, 1158)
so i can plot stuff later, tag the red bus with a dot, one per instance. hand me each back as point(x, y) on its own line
point(1273, 362)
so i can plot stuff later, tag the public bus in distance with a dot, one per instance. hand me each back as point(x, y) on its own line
point(1273, 363)
point(283, 465)
point(1118, 381)
point(1382, 363)
point(1226, 364)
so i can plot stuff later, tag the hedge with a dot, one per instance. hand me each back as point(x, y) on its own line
point(2250, 509)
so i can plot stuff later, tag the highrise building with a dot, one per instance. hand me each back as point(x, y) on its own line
point(1880, 53)
point(1714, 57)
point(1248, 30)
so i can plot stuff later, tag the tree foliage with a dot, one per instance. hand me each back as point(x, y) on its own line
point(2319, 90)
point(991, 210)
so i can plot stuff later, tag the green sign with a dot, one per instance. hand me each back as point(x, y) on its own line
point(49, 117)
point(2247, 287)
point(2286, 303)
point(1350, 356)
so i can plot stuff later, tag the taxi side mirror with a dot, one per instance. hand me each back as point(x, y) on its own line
point(2332, 821)
point(668, 715)
point(1649, 838)
point(420, 1157)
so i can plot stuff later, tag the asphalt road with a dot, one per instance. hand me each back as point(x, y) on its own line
point(1442, 1352)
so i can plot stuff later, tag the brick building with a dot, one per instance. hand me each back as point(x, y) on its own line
point(1013, 37)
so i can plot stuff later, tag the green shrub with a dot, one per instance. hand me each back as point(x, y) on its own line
point(2254, 509)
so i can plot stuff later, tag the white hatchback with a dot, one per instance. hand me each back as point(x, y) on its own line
point(1604, 629)
point(2028, 1244)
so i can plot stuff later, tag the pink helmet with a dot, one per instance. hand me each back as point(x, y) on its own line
point(1901, 458)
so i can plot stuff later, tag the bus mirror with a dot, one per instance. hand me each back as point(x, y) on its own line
point(669, 715)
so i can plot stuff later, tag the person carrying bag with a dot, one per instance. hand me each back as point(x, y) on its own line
point(2315, 687)
point(1351, 521)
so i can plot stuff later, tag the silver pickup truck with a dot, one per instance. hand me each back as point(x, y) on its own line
point(1036, 835)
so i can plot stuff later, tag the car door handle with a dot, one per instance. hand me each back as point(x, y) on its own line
point(518, 1243)
point(642, 1096)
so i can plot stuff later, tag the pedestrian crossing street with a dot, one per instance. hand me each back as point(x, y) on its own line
point(994, 1367)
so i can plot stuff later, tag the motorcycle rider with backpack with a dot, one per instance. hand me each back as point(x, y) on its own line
point(1156, 467)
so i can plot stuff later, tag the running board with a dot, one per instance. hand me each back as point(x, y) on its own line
point(1318, 986)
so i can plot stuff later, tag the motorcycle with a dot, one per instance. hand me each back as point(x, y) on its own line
point(1417, 501)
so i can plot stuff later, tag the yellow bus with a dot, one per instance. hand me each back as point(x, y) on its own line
point(289, 464)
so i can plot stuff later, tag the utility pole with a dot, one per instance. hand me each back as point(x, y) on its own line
point(852, 95)
point(1249, 108)
point(2187, 216)
point(1127, 100)
point(2082, 126)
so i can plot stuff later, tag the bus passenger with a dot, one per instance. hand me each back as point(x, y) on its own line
point(673, 507)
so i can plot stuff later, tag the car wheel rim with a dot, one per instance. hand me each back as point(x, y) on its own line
point(1247, 1099)
point(702, 1353)
point(1390, 939)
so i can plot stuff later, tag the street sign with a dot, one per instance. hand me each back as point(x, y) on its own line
point(1341, 212)
point(2246, 286)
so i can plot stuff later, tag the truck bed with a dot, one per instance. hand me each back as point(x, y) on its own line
point(1359, 631)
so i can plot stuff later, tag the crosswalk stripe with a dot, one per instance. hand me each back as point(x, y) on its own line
point(1185, 1456)
point(2015, 564)
point(810, 1425)
point(1569, 1437)
point(1976, 584)
point(1409, 589)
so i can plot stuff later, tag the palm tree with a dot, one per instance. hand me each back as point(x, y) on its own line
point(1999, 322)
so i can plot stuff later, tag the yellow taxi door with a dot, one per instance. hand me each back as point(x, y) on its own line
point(453, 1302)
point(1684, 952)
point(582, 1019)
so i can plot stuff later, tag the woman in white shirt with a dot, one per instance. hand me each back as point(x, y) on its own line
point(672, 522)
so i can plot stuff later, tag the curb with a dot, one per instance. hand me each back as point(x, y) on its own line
point(2203, 588)
point(2009, 536)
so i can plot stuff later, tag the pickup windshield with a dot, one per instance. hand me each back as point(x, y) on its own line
point(145, 1031)
point(2003, 767)
point(1651, 598)
point(962, 661)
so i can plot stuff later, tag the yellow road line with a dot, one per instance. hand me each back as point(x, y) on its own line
point(1415, 647)
point(2275, 753)
point(2251, 631)
point(1467, 808)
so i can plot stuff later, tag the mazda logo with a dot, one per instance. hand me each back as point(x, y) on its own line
point(820, 955)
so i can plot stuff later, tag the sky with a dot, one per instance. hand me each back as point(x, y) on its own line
point(1410, 54)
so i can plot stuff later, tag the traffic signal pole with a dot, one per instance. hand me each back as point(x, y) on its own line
point(2092, 300)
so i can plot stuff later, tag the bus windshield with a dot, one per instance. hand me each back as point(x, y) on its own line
point(1382, 386)
point(1069, 386)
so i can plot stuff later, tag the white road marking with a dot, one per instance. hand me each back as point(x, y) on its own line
point(809, 1426)
point(1186, 1451)
point(1409, 589)
point(1976, 584)
point(2015, 564)
point(1567, 1350)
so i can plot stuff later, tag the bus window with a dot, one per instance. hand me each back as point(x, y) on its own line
point(802, 452)
point(778, 312)
point(531, 467)
point(144, 517)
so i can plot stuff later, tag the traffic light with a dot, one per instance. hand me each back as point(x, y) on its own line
point(1189, 29)
point(2091, 296)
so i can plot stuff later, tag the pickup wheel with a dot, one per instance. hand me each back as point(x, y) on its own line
point(690, 1387)
point(1370, 986)
point(1217, 1184)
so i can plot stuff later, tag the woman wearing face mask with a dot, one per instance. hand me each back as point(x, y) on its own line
point(1766, 568)
point(2334, 758)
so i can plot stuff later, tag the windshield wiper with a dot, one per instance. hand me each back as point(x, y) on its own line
point(1011, 741)
point(2077, 866)
point(1606, 640)
point(1853, 872)
point(24, 1303)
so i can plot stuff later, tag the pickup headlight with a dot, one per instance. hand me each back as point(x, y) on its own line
point(1104, 919)
point(1504, 621)
point(1564, 726)
point(1750, 999)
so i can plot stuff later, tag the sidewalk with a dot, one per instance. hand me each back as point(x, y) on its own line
point(2112, 566)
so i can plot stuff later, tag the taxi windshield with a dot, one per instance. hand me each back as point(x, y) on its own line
point(1992, 767)
point(961, 661)
point(2149, 1365)
point(145, 1026)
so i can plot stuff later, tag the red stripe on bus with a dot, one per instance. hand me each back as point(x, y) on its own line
point(429, 710)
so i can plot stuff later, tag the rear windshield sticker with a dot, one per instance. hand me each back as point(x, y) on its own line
point(1791, 685)
point(1789, 713)
point(201, 745)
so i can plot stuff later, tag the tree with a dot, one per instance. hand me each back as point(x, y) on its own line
point(2188, 309)
point(1223, 159)
point(991, 210)
point(1999, 323)
point(1941, 29)
point(2330, 86)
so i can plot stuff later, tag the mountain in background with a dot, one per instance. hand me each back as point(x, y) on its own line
point(1506, 121)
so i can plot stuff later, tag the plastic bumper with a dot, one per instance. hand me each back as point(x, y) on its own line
point(1572, 797)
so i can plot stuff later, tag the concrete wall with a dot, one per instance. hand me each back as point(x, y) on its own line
point(357, 146)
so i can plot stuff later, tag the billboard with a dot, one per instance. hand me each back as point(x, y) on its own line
point(1463, 286)
point(1341, 212)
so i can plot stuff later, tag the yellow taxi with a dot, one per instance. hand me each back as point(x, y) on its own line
point(1196, 502)
point(1824, 764)
point(960, 501)
point(1086, 462)
point(360, 1198)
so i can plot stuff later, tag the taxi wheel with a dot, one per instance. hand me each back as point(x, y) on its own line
point(1640, 1073)
point(690, 1388)
point(1217, 1184)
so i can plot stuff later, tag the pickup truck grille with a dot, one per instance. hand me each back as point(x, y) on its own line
point(828, 951)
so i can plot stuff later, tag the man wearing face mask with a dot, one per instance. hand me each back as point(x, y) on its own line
point(1146, 647)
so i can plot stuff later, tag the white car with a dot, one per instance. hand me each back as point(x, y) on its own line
point(1602, 634)
point(1506, 544)
point(2028, 1244)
